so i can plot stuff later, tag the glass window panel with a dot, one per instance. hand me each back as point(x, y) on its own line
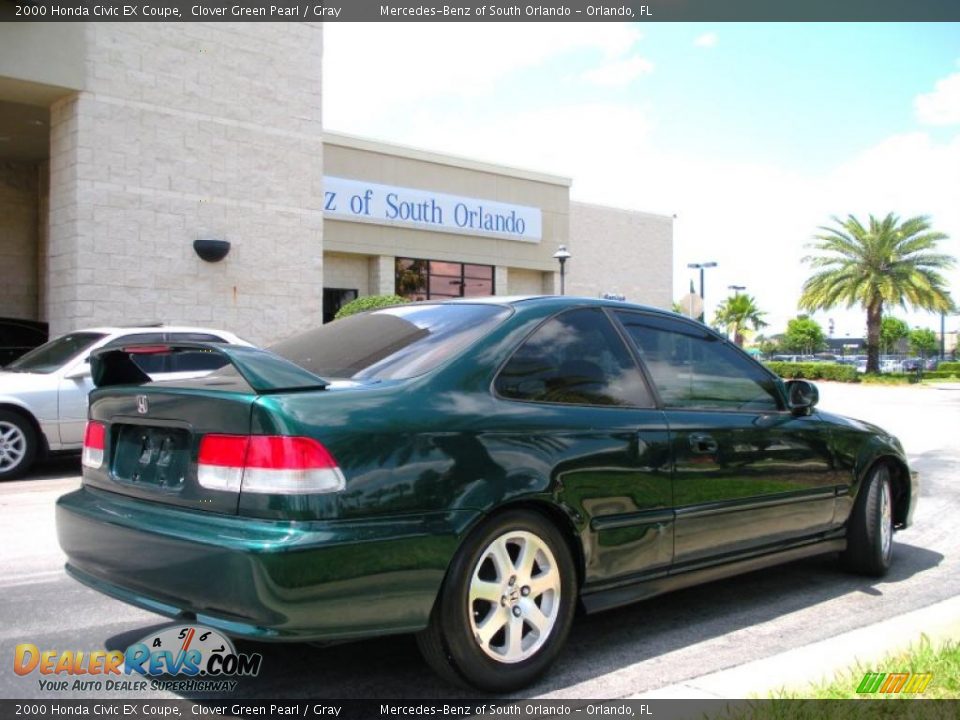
point(391, 343)
point(440, 285)
point(694, 369)
point(576, 358)
point(483, 272)
point(411, 279)
point(477, 288)
point(445, 268)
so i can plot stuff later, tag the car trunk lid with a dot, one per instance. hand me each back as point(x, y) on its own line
point(152, 433)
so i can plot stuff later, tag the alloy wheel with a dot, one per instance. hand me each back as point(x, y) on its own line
point(514, 596)
point(13, 446)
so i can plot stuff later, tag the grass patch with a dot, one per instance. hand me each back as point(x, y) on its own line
point(942, 661)
point(889, 378)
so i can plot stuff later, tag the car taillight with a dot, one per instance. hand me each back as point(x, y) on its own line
point(267, 464)
point(94, 442)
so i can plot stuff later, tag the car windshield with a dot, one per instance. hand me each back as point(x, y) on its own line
point(392, 343)
point(51, 356)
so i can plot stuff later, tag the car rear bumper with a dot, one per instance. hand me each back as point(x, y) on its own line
point(265, 579)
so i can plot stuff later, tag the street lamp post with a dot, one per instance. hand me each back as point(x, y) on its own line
point(562, 254)
point(736, 288)
point(943, 336)
point(701, 267)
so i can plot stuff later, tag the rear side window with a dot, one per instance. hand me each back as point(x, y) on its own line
point(198, 361)
point(52, 355)
point(694, 369)
point(391, 343)
point(195, 337)
point(575, 358)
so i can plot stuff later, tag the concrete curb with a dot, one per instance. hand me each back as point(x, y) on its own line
point(796, 669)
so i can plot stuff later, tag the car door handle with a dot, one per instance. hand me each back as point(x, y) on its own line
point(703, 444)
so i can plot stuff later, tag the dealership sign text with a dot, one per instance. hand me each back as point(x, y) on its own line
point(360, 201)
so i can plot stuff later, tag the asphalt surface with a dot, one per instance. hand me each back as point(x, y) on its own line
point(652, 644)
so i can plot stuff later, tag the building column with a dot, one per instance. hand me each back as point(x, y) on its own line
point(383, 275)
point(501, 284)
point(551, 283)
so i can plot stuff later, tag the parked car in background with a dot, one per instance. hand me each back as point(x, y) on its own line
point(43, 394)
point(18, 337)
point(471, 471)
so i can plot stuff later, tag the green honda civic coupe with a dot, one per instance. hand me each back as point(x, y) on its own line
point(470, 471)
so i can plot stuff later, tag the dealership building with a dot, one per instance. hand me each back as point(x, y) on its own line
point(122, 145)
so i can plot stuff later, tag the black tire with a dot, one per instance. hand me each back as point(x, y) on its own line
point(870, 528)
point(450, 643)
point(18, 445)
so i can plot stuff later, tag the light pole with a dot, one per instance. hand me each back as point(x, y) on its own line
point(701, 267)
point(943, 336)
point(736, 289)
point(562, 254)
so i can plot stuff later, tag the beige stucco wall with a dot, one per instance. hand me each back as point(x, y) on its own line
point(187, 131)
point(620, 251)
point(360, 159)
point(41, 61)
point(19, 231)
point(347, 272)
point(525, 282)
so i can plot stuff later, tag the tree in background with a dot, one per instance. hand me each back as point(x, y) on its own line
point(369, 302)
point(737, 314)
point(924, 342)
point(885, 263)
point(766, 346)
point(804, 335)
point(892, 331)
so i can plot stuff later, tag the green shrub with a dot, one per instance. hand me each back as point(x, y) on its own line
point(815, 371)
point(369, 302)
point(939, 374)
point(950, 367)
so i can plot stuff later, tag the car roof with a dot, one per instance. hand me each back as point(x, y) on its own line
point(108, 330)
point(560, 301)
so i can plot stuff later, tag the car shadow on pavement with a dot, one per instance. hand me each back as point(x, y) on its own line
point(608, 642)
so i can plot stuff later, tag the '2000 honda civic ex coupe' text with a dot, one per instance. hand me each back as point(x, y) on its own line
point(469, 471)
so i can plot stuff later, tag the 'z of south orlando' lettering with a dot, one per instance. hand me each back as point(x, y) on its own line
point(466, 216)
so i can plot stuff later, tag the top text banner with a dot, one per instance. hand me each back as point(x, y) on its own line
point(478, 11)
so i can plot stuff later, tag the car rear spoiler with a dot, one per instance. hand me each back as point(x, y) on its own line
point(263, 371)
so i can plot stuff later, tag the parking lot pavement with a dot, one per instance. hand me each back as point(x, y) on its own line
point(660, 642)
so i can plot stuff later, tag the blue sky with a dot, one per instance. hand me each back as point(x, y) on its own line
point(753, 134)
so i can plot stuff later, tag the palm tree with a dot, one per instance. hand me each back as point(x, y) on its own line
point(736, 313)
point(886, 263)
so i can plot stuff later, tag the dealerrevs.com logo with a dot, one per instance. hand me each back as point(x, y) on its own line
point(186, 658)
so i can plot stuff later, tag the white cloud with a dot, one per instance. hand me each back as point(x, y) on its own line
point(707, 40)
point(942, 106)
point(372, 66)
point(619, 73)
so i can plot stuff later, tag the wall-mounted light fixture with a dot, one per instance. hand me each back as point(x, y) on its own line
point(211, 250)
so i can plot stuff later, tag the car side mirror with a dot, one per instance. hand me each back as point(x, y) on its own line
point(802, 396)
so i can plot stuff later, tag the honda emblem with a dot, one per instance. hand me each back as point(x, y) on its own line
point(142, 405)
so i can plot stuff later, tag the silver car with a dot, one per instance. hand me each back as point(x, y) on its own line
point(43, 394)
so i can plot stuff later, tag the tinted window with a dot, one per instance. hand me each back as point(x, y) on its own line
point(693, 368)
point(196, 361)
point(577, 357)
point(52, 355)
point(194, 337)
point(392, 343)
